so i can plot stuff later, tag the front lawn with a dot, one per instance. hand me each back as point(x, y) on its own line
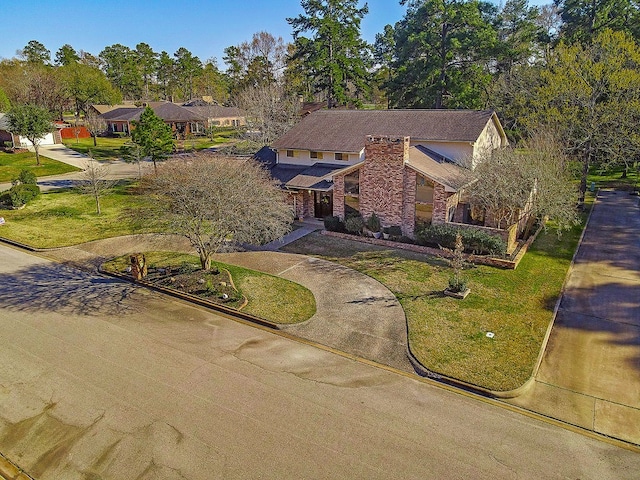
point(108, 148)
point(269, 297)
point(65, 217)
point(12, 163)
point(449, 336)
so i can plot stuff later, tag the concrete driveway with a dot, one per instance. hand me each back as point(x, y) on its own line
point(590, 373)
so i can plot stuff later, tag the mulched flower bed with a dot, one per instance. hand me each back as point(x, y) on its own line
point(214, 285)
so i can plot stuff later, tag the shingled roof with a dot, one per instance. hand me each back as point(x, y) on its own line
point(167, 111)
point(346, 130)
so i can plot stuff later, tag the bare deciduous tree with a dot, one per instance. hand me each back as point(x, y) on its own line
point(214, 200)
point(269, 111)
point(95, 124)
point(538, 177)
point(94, 181)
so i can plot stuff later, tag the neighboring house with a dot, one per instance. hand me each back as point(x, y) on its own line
point(407, 166)
point(184, 120)
point(217, 115)
point(22, 142)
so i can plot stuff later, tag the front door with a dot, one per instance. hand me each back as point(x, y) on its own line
point(323, 204)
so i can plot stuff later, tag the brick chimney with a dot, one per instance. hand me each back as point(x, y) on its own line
point(382, 178)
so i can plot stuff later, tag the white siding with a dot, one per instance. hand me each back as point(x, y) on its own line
point(460, 152)
point(46, 140)
point(303, 157)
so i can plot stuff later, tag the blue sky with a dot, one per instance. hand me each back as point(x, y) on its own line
point(205, 27)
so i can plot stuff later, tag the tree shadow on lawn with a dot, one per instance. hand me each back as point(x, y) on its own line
point(60, 289)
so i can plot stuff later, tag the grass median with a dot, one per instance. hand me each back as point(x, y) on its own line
point(269, 297)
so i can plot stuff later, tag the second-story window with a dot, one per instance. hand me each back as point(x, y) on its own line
point(290, 153)
point(315, 155)
point(341, 156)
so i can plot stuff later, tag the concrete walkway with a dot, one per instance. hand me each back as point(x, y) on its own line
point(590, 373)
point(354, 313)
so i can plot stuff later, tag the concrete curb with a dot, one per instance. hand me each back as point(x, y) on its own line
point(232, 312)
point(10, 471)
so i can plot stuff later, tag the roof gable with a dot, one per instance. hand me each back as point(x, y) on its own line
point(346, 130)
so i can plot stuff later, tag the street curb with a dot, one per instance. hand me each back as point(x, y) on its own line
point(10, 471)
point(194, 299)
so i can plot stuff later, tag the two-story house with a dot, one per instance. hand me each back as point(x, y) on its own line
point(407, 166)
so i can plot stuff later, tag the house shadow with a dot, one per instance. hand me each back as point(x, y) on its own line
point(61, 289)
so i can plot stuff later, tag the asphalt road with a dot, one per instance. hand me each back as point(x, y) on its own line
point(100, 379)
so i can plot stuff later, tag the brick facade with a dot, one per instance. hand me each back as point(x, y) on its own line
point(301, 203)
point(388, 186)
point(338, 196)
point(382, 179)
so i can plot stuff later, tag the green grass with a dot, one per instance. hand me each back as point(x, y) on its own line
point(66, 217)
point(269, 297)
point(448, 336)
point(614, 178)
point(108, 148)
point(12, 163)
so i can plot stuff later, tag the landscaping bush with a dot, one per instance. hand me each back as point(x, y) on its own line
point(475, 241)
point(373, 223)
point(333, 224)
point(354, 225)
point(25, 177)
point(22, 193)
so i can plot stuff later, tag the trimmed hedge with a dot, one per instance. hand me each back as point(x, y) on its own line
point(333, 224)
point(475, 241)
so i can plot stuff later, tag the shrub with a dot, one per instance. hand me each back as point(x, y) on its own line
point(25, 177)
point(354, 225)
point(333, 224)
point(5, 198)
point(475, 241)
point(373, 223)
point(23, 193)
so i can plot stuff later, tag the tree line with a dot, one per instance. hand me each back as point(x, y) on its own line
point(571, 66)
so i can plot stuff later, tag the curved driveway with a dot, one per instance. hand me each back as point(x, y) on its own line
point(354, 313)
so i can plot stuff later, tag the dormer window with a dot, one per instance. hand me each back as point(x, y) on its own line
point(317, 155)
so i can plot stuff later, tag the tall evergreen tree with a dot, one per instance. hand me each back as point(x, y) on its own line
point(147, 65)
point(443, 48)
point(584, 19)
point(66, 55)
point(334, 55)
point(154, 137)
point(121, 68)
point(187, 67)
point(35, 52)
point(166, 75)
